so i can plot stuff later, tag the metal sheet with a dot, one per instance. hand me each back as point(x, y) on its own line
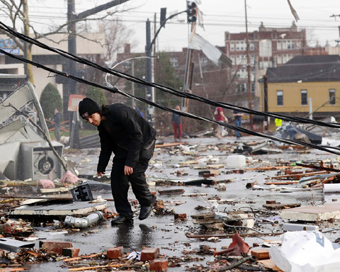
point(14, 245)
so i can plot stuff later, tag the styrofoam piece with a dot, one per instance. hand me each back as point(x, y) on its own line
point(331, 188)
point(312, 213)
point(299, 227)
point(236, 161)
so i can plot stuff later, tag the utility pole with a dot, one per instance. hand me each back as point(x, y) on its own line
point(72, 84)
point(265, 87)
point(71, 87)
point(27, 53)
point(148, 50)
point(192, 13)
point(248, 68)
point(133, 104)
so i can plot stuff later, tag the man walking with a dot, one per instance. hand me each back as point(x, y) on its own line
point(57, 124)
point(238, 122)
point(177, 124)
point(129, 136)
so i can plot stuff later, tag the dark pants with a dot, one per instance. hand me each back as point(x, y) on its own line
point(238, 123)
point(57, 132)
point(120, 186)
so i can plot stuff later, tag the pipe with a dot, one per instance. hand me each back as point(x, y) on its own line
point(84, 222)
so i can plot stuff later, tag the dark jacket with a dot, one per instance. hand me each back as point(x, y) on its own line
point(125, 133)
point(57, 119)
point(176, 118)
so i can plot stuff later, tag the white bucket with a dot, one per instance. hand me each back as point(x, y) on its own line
point(236, 161)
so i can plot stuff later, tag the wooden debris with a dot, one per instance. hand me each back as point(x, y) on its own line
point(279, 206)
point(260, 253)
point(270, 264)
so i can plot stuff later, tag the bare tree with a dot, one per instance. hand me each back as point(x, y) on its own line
point(17, 12)
point(116, 36)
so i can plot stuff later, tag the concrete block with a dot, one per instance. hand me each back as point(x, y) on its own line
point(159, 265)
point(55, 246)
point(299, 227)
point(312, 213)
point(71, 252)
point(149, 254)
point(115, 252)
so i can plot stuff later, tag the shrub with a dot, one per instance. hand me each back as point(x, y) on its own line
point(96, 94)
point(49, 100)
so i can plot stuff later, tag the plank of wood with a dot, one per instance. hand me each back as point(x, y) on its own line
point(229, 235)
point(270, 264)
point(281, 182)
point(299, 176)
point(279, 206)
point(169, 145)
point(94, 267)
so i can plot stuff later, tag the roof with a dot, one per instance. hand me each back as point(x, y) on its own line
point(307, 69)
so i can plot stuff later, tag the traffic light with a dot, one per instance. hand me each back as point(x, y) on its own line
point(191, 11)
point(163, 16)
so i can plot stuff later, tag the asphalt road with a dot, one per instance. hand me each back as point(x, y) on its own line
point(161, 231)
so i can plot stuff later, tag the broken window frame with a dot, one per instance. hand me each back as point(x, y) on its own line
point(331, 96)
point(304, 97)
point(279, 98)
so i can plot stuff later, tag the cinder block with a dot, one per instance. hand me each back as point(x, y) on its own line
point(114, 252)
point(149, 254)
point(159, 265)
point(55, 246)
point(71, 252)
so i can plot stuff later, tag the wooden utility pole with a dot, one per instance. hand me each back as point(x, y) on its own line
point(248, 68)
point(72, 18)
point(27, 49)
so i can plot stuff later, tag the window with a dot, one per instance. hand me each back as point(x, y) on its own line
point(279, 98)
point(174, 62)
point(279, 45)
point(303, 97)
point(252, 47)
point(232, 47)
point(332, 97)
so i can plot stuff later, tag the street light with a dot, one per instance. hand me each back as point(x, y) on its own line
point(108, 84)
point(114, 66)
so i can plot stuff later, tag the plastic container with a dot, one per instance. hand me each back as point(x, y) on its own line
point(236, 161)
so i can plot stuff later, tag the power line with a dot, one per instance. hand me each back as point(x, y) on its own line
point(165, 89)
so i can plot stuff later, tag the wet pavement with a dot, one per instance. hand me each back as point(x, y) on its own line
point(162, 231)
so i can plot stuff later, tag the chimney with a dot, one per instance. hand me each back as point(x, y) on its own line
point(127, 48)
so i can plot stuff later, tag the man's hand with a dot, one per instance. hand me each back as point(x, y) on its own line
point(128, 170)
point(100, 174)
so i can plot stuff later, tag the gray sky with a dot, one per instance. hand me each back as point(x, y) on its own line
point(218, 16)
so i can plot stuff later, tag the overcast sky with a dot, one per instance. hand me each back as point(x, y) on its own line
point(219, 16)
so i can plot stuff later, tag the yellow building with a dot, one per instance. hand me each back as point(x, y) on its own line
point(306, 86)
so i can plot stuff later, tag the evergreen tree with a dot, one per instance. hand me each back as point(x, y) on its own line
point(50, 99)
point(165, 74)
point(96, 94)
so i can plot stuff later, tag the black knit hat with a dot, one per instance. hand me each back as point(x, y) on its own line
point(87, 107)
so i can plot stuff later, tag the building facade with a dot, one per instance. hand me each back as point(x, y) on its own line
point(268, 47)
point(304, 86)
point(87, 44)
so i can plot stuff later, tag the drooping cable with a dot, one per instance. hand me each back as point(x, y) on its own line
point(165, 88)
point(330, 149)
